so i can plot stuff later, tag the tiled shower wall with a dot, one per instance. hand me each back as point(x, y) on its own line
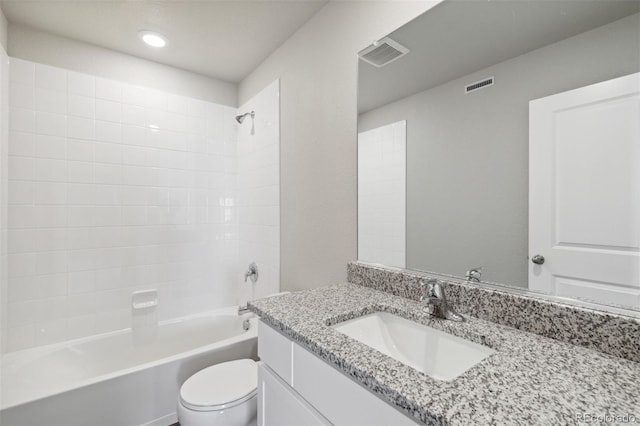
point(382, 169)
point(114, 188)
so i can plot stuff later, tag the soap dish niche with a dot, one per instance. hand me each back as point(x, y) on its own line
point(144, 299)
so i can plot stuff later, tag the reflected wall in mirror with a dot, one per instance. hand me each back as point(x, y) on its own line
point(467, 151)
point(381, 194)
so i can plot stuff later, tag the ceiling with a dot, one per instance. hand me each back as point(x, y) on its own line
point(456, 38)
point(223, 39)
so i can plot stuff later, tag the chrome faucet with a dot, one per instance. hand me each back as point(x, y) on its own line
point(435, 297)
point(252, 273)
point(474, 274)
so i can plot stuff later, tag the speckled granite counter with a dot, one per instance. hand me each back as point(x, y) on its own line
point(529, 380)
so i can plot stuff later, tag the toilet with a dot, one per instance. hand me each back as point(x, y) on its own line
point(223, 394)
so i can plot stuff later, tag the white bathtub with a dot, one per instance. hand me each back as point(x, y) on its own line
point(119, 378)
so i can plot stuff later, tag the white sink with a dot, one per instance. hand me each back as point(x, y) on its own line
point(434, 352)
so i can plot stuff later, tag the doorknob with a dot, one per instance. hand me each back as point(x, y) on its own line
point(538, 259)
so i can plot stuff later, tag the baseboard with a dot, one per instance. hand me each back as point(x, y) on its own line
point(167, 420)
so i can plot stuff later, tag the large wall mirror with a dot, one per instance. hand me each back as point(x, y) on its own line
point(499, 141)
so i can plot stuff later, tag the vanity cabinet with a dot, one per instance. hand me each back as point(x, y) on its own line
point(295, 387)
point(279, 404)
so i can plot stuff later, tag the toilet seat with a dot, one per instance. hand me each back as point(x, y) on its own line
point(221, 386)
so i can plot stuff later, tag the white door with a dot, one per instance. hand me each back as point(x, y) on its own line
point(584, 192)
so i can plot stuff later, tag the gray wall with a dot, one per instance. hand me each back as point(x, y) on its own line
point(27, 43)
point(317, 68)
point(3, 30)
point(467, 155)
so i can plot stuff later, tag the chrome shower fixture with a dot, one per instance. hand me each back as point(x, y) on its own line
point(240, 118)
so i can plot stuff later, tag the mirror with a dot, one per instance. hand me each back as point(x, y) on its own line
point(456, 106)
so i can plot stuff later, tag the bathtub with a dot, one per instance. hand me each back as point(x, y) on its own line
point(120, 378)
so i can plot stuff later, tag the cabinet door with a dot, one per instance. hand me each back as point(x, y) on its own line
point(276, 351)
point(279, 405)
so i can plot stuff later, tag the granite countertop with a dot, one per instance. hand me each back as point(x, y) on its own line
point(529, 380)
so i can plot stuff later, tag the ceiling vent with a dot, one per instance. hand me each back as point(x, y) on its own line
point(478, 85)
point(383, 52)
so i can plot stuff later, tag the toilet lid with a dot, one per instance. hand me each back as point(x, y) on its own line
point(221, 386)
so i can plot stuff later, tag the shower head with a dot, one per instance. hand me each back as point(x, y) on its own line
point(240, 118)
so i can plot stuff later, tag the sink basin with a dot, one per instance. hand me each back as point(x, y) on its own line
point(434, 352)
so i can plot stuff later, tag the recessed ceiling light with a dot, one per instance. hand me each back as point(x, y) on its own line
point(153, 39)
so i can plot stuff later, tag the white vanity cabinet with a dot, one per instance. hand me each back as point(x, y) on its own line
point(295, 387)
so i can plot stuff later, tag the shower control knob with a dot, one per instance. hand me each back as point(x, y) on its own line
point(538, 259)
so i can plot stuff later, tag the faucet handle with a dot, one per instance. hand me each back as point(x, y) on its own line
point(435, 289)
point(432, 288)
point(252, 272)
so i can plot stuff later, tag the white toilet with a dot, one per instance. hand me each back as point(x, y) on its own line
point(223, 394)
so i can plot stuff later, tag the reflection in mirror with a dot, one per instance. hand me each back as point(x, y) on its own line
point(381, 194)
point(468, 204)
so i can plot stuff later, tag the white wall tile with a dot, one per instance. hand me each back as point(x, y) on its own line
point(21, 216)
point(155, 99)
point(23, 313)
point(21, 265)
point(52, 286)
point(107, 174)
point(22, 95)
point(49, 332)
point(53, 101)
point(20, 192)
point(109, 89)
point(81, 194)
point(80, 150)
point(107, 195)
point(80, 237)
point(133, 195)
point(108, 215)
point(21, 168)
point(108, 132)
point(49, 170)
point(135, 135)
point(108, 110)
point(48, 77)
point(133, 95)
point(135, 155)
point(80, 171)
point(21, 337)
point(81, 106)
point(101, 204)
point(47, 146)
point(51, 193)
point(81, 281)
point(81, 84)
point(22, 120)
point(50, 239)
point(134, 115)
point(21, 240)
point(81, 326)
point(80, 128)
point(51, 262)
point(51, 124)
point(51, 216)
point(177, 104)
point(21, 144)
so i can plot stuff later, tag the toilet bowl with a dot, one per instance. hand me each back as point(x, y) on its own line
point(223, 394)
